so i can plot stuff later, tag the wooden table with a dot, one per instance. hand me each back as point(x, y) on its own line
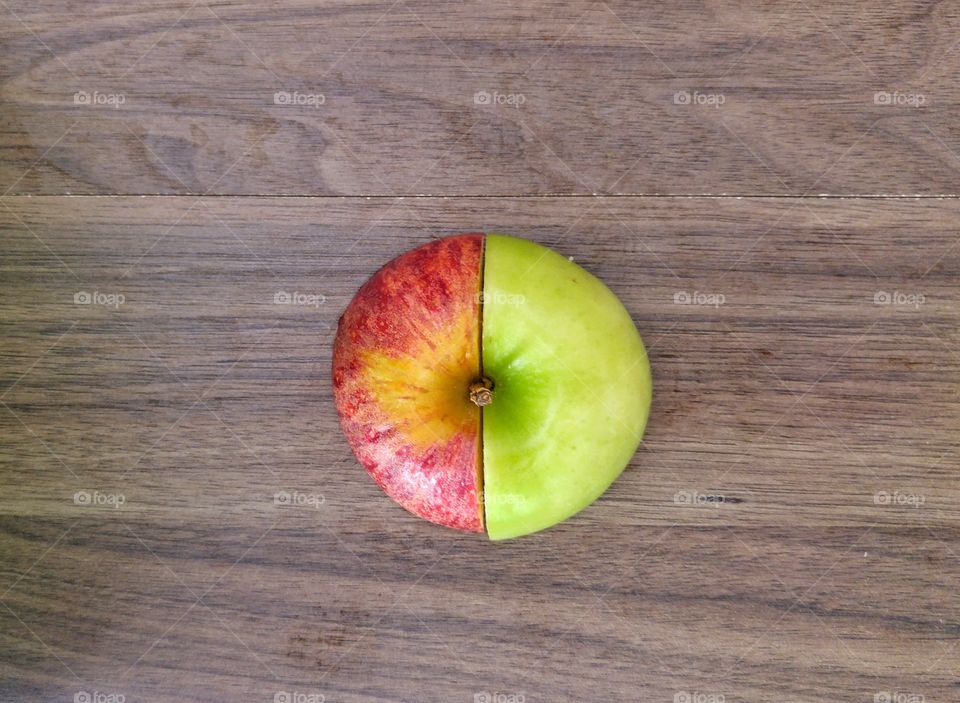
point(787, 532)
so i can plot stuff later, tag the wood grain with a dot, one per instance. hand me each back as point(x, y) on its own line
point(774, 98)
point(789, 530)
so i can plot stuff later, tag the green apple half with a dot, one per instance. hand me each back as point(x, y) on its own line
point(544, 350)
point(572, 387)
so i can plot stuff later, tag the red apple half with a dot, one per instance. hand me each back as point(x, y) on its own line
point(407, 348)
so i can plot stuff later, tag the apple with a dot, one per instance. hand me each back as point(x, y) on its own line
point(572, 387)
point(406, 351)
point(557, 369)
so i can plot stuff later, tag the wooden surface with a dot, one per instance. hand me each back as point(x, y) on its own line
point(782, 97)
point(798, 401)
point(789, 530)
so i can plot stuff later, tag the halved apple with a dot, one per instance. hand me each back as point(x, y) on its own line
point(557, 366)
point(406, 351)
point(571, 392)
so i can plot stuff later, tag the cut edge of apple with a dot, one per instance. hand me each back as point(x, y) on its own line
point(481, 487)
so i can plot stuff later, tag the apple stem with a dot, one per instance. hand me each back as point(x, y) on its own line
point(481, 392)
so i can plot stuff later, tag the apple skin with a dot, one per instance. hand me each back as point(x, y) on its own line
point(572, 387)
point(406, 351)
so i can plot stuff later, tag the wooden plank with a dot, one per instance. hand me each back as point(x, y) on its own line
point(581, 97)
point(789, 530)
